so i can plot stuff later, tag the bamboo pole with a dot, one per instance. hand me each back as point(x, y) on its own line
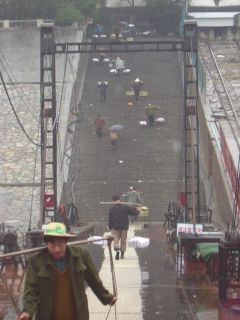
point(121, 202)
point(33, 250)
point(12, 254)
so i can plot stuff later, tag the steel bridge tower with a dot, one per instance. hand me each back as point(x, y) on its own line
point(187, 45)
point(191, 125)
point(48, 201)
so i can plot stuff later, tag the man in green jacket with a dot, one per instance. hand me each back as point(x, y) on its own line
point(55, 280)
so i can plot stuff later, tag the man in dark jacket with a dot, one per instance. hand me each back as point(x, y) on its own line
point(118, 224)
point(102, 85)
point(99, 124)
point(55, 280)
point(137, 88)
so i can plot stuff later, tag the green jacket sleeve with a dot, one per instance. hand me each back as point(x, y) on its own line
point(93, 280)
point(31, 290)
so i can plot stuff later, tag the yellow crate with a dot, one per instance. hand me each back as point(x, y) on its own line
point(143, 211)
point(143, 93)
point(129, 93)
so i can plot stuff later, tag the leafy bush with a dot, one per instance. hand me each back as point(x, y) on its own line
point(64, 12)
point(68, 14)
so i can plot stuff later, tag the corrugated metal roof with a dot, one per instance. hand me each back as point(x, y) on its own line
point(213, 15)
point(213, 19)
point(211, 3)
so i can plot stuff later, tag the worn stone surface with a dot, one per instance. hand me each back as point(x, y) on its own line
point(147, 157)
point(19, 156)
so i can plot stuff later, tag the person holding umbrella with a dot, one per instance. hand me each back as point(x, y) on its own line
point(114, 133)
point(113, 137)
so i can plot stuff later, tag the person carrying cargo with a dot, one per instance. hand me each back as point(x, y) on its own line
point(137, 88)
point(55, 280)
point(101, 57)
point(99, 124)
point(120, 65)
point(150, 113)
point(102, 85)
point(118, 224)
point(133, 197)
point(113, 137)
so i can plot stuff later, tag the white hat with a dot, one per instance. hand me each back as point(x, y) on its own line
point(137, 80)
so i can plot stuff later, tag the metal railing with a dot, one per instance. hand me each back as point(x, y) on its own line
point(11, 24)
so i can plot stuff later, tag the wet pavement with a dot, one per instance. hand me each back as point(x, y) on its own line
point(155, 286)
point(148, 284)
point(146, 279)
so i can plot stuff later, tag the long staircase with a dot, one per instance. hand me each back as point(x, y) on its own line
point(145, 157)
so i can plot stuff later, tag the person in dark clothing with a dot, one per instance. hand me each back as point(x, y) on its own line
point(137, 87)
point(101, 57)
point(55, 280)
point(150, 113)
point(118, 224)
point(99, 124)
point(102, 85)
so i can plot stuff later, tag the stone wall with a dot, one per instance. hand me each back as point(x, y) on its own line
point(20, 159)
point(213, 175)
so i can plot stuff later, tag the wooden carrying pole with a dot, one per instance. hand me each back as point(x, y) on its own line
point(28, 251)
point(121, 202)
point(33, 250)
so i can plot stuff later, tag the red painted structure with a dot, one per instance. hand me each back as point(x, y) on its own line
point(229, 166)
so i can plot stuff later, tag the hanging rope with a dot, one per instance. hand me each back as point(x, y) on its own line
point(33, 250)
point(15, 113)
point(114, 283)
point(33, 183)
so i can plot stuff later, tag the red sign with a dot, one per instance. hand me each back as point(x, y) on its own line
point(48, 200)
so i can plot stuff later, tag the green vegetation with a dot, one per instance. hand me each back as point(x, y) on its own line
point(64, 12)
point(164, 15)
